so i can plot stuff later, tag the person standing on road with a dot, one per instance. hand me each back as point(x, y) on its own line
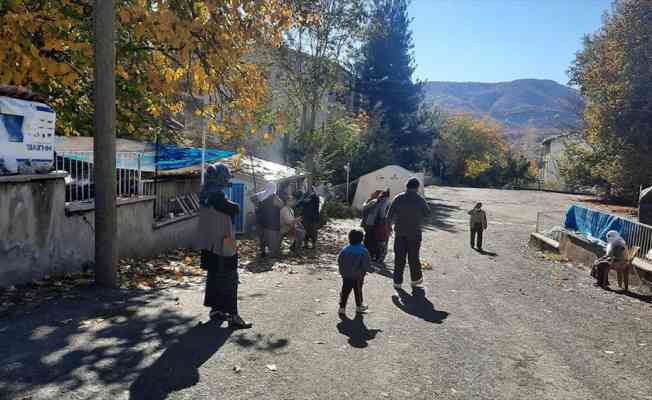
point(354, 262)
point(370, 210)
point(478, 223)
point(381, 227)
point(268, 219)
point(406, 214)
point(291, 227)
point(311, 217)
point(218, 248)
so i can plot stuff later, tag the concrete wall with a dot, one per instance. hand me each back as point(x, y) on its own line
point(39, 236)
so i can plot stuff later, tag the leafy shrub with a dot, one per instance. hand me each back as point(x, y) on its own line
point(334, 209)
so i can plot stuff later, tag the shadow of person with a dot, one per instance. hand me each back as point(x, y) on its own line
point(357, 331)
point(418, 305)
point(178, 366)
point(486, 253)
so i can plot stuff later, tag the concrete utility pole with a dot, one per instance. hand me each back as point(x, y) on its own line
point(106, 227)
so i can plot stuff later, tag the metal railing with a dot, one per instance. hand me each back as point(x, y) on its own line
point(637, 234)
point(80, 183)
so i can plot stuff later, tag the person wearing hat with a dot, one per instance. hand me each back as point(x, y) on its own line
point(217, 243)
point(407, 214)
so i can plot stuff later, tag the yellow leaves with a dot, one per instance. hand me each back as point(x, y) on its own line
point(124, 15)
point(154, 110)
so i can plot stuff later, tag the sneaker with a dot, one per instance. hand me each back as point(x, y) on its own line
point(362, 309)
point(417, 283)
point(342, 311)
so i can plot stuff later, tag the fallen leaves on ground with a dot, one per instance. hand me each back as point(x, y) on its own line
point(179, 266)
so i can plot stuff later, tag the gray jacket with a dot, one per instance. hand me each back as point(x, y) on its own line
point(407, 213)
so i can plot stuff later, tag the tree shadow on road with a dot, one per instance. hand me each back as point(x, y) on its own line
point(357, 331)
point(418, 305)
point(178, 367)
point(111, 339)
point(439, 213)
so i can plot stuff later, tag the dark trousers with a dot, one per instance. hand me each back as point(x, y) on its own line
point(476, 233)
point(370, 241)
point(221, 283)
point(349, 285)
point(407, 248)
point(601, 270)
point(312, 229)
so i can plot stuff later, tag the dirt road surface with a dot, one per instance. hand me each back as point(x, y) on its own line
point(508, 325)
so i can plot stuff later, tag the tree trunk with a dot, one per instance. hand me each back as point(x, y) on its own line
point(106, 251)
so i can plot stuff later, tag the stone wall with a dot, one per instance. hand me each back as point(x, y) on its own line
point(40, 236)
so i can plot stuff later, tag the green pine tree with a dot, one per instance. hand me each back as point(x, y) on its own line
point(384, 70)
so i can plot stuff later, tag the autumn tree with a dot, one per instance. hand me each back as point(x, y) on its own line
point(471, 151)
point(168, 53)
point(614, 73)
point(312, 63)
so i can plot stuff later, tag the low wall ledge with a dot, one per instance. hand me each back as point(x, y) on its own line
point(31, 177)
point(73, 208)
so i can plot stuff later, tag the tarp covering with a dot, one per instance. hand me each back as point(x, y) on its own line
point(170, 157)
point(594, 224)
point(173, 157)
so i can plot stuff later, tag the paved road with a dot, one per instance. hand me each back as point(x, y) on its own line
point(507, 326)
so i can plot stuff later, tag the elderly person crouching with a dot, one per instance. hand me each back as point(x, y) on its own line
point(616, 252)
point(218, 248)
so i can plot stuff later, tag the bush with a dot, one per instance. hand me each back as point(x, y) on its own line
point(334, 209)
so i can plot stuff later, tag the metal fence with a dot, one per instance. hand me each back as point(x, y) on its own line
point(637, 234)
point(80, 183)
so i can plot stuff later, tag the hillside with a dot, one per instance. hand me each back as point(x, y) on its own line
point(530, 109)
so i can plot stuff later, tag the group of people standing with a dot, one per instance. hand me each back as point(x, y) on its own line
point(295, 217)
point(405, 216)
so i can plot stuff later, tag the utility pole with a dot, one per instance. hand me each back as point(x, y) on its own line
point(106, 227)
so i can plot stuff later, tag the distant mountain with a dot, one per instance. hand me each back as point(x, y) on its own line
point(530, 109)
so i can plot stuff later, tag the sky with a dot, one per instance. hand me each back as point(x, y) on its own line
point(500, 40)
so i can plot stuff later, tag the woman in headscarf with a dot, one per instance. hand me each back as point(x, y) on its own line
point(616, 252)
point(381, 227)
point(370, 211)
point(218, 247)
point(268, 219)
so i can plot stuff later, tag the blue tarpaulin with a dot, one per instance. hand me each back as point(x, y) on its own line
point(173, 157)
point(170, 157)
point(594, 224)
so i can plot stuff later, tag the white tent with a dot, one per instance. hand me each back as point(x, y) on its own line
point(391, 177)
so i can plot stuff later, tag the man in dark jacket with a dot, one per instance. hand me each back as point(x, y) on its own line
point(311, 218)
point(406, 214)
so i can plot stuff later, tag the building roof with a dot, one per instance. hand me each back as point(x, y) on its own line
point(20, 93)
point(265, 171)
point(84, 143)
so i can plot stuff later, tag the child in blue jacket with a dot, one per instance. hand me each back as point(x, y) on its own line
point(354, 262)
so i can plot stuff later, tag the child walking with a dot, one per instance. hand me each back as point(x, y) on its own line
point(354, 262)
point(478, 222)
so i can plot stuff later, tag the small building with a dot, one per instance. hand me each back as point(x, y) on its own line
point(392, 177)
point(552, 156)
point(250, 175)
point(173, 176)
